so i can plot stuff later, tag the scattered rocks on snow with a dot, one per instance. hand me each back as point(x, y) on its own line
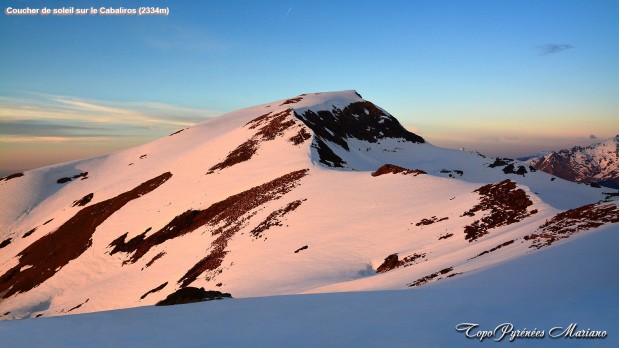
point(430, 277)
point(274, 218)
point(393, 169)
point(301, 249)
point(64, 180)
point(155, 258)
point(12, 176)
point(505, 203)
point(78, 306)
point(83, 201)
point(300, 137)
point(572, 221)
point(430, 221)
point(5, 242)
point(445, 236)
point(291, 101)
point(452, 172)
point(29, 232)
point(178, 131)
point(493, 249)
point(159, 288)
point(510, 169)
point(392, 262)
point(500, 162)
point(192, 295)
point(271, 126)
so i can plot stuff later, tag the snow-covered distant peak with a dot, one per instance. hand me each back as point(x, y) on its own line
point(609, 144)
point(596, 163)
point(533, 156)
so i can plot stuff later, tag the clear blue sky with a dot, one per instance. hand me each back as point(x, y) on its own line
point(502, 77)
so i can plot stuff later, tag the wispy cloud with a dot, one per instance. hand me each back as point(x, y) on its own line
point(553, 48)
point(35, 117)
point(82, 105)
point(51, 139)
point(35, 128)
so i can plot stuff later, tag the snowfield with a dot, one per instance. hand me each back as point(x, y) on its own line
point(569, 283)
point(315, 194)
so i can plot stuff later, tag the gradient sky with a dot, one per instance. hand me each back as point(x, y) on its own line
point(505, 78)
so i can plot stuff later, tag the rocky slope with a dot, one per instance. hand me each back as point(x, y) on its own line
point(596, 164)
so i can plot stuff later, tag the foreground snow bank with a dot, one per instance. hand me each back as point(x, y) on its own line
point(575, 282)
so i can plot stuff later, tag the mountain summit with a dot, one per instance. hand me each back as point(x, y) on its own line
point(322, 192)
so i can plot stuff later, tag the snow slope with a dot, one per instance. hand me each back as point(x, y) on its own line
point(318, 193)
point(581, 289)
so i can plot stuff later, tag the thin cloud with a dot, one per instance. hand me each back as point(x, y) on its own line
point(52, 118)
point(94, 107)
point(34, 127)
point(22, 140)
point(592, 136)
point(553, 48)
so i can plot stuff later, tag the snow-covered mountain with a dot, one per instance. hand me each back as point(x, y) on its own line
point(322, 192)
point(597, 163)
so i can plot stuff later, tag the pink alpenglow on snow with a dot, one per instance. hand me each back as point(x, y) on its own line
point(322, 192)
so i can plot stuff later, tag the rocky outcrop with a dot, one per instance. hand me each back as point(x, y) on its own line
point(504, 204)
point(572, 221)
point(393, 169)
point(192, 295)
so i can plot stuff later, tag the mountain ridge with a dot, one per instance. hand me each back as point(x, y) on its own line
point(596, 164)
point(263, 201)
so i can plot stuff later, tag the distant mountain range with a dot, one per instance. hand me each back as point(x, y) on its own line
point(597, 164)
